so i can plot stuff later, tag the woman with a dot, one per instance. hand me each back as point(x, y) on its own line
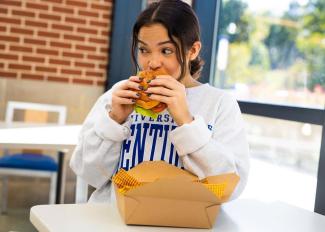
point(201, 131)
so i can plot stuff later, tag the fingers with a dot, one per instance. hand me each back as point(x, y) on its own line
point(125, 96)
point(124, 101)
point(161, 98)
point(126, 93)
point(160, 91)
point(167, 82)
point(135, 78)
point(132, 83)
point(166, 89)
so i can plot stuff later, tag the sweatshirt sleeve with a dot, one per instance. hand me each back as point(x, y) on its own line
point(97, 153)
point(222, 150)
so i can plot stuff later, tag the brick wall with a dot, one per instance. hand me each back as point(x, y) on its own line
point(63, 41)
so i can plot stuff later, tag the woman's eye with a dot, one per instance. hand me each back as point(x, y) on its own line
point(142, 50)
point(167, 51)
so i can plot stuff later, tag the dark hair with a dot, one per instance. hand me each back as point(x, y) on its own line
point(181, 22)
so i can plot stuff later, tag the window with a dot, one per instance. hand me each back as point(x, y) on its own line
point(273, 52)
point(284, 160)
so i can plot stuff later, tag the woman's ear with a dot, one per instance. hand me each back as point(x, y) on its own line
point(195, 50)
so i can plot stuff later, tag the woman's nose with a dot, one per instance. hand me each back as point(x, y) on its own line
point(154, 64)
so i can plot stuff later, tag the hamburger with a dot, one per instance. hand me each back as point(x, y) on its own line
point(144, 105)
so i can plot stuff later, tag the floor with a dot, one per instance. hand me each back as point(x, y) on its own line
point(34, 192)
point(16, 220)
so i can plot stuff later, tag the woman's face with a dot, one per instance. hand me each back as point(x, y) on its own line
point(156, 50)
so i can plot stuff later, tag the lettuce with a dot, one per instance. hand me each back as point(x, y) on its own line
point(145, 112)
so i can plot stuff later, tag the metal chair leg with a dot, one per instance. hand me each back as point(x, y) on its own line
point(60, 198)
point(4, 194)
point(52, 195)
point(81, 191)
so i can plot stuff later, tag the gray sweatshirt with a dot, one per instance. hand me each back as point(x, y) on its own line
point(213, 143)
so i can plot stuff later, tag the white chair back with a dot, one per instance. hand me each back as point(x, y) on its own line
point(14, 105)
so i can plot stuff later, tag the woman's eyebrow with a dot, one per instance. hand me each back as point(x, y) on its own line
point(140, 41)
point(160, 43)
point(164, 42)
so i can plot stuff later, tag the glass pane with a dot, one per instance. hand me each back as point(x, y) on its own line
point(273, 51)
point(284, 161)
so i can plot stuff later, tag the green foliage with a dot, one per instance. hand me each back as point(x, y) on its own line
point(233, 12)
point(281, 46)
point(314, 20)
point(259, 56)
point(311, 42)
point(286, 52)
point(237, 71)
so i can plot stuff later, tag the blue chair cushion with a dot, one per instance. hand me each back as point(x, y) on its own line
point(29, 161)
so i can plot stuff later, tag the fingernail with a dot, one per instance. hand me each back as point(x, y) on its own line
point(138, 94)
point(149, 94)
point(133, 100)
point(140, 87)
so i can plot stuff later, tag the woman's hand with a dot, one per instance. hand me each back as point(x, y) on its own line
point(168, 90)
point(123, 99)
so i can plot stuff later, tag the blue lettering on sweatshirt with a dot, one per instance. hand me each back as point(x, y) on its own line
point(154, 131)
point(159, 118)
point(125, 149)
point(171, 154)
point(166, 129)
point(146, 134)
point(139, 143)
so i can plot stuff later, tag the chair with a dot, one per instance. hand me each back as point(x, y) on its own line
point(81, 191)
point(30, 163)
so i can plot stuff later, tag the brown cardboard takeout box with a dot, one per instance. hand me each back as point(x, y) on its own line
point(170, 196)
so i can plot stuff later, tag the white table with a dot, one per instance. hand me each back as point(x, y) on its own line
point(242, 215)
point(58, 138)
